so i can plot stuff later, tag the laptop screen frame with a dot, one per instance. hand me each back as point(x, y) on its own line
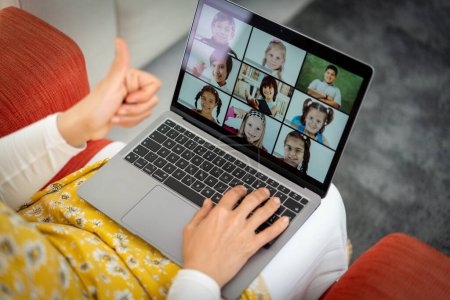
point(301, 41)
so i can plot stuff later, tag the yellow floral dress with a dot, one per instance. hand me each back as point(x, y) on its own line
point(60, 247)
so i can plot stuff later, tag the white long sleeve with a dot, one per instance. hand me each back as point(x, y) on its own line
point(192, 284)
point(29, 158)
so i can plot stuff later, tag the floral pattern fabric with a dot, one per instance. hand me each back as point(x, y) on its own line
point(60, 247)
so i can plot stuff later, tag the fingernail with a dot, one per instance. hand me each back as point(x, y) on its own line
point(122, 112)
point(277, 200)
point(205, 202)
point(243, 188)
point(267, 191)
point(285, 220)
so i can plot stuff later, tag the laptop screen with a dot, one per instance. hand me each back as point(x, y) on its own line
point(288, 100)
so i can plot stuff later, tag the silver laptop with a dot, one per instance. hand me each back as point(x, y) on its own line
point(255, 104)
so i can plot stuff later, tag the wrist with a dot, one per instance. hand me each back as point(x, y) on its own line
point(69, 126)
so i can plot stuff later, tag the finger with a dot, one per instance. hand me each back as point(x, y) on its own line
point(252, 201)
point(202, 213)
point(232, 196)
point(147, 86)
point(120, 65)
point(263, 213)
point(130, 121)
point(143, 94)
point(138, 108)
point(271, 232)
point(131, 81)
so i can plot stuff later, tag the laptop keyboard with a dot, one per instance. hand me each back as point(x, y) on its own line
point(197, 170)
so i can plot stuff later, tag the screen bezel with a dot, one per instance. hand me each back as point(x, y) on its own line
point(309, 45)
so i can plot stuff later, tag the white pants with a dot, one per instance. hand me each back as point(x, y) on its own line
point(312, 260)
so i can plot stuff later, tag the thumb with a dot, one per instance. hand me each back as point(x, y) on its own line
point(202, 212)
point(120, 65)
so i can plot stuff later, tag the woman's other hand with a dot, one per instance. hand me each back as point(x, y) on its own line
point(125, 97)
point(219, 240)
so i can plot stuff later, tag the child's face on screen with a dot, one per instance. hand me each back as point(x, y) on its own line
point(268, 92)
point(294, 149)
point(329, 76)
point(208, 102)
point(275, 58)
point(219, 71)
point(253, 129)
point(314, 120)
point(222, 32)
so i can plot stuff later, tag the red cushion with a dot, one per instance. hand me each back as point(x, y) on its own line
point(42, 71)
point(397, 267)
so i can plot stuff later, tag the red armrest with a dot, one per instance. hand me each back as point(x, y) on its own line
point(397, 267)
point(42, 71)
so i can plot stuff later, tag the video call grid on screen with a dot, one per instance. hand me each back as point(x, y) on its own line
point(255, 57)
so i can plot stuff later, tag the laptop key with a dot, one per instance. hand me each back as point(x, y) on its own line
point(283, 189)
point(282, 196)
point(238, 173)
point(140, 150)
point(293, 205)
point(197, 160)
point(140, 163)
point(248, 179)
point(160, 175)
point(280, 210)
point(240, 164)
point(208, 146)
point(225, 177)
point(199, 140)
point(250, 170)
point(288, 214)
point(191, 169)
point(187, 155)
point(131, 157)
point(295, 196)
point(181, 139)
point(198, 186)
point(180, 188)
point(273, 219)
point(211, 181)
point(272, 182)
point(216, 198)
point(169, 143)
point(188, 180)
point(216, 172)
point(151, 156)
point(158, 137)
point(190, 144)
point(178, 149)
point(229, 157)
point(258, 184)
point(207, 192)
point(261, 176)
point(182, 163)
point(163, 128)
point(304, 201)
point(172, 157)
point(173, 134)
point(218, 161)
point(189, 134)
point(160, 162)
point(201, 175)
point(163, 152)
point(235, 182)
point(228, 166)
point(151, 144)
point(169, 168)
point(207, 166)
point(209, 156)
point(149, 169)
point(179, 128)
point(179, 174)
point(200, 150)
point(221, 187)
point(169, 123)
point(271, 189)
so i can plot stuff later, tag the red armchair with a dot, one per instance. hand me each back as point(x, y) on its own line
point(397, 267)
point(42, 71)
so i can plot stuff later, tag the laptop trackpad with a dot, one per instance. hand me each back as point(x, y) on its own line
point(159, 218)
